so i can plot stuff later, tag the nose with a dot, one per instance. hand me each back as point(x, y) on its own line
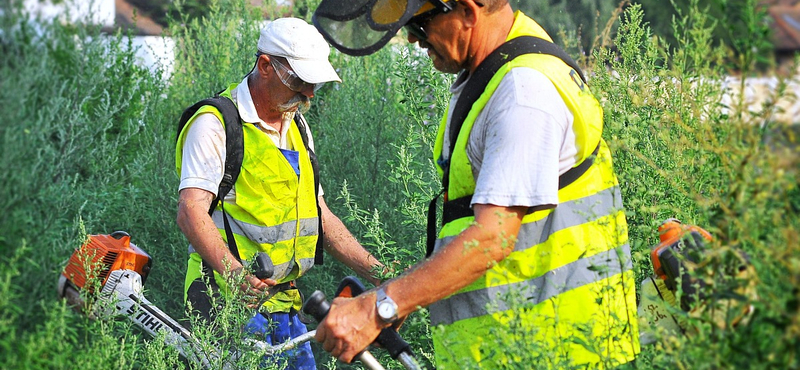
point(308, 91)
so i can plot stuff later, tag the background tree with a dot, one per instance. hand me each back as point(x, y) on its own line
point(741, 25)
point(570, 20)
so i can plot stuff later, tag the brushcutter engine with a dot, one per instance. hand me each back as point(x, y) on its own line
point(104, 278)
point(93, 263)
point(677, 291)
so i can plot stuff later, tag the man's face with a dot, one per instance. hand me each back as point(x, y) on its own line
point(296, 94)
point(446, 40)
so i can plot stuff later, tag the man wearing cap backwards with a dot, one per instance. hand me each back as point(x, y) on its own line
point(272, 207)
point(533, 252)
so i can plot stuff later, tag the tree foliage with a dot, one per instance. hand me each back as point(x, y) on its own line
point(741, 25)
point(570, 20)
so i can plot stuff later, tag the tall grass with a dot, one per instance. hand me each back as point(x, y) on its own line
point(76, 145)
point(88, 143)
point(681, 153)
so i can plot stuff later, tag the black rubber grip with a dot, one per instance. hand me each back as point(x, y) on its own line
point(317, 305)
point(393, 342)
point(264, 268)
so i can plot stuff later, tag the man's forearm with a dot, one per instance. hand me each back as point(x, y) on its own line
point(347, 250)
point(343, 246)
point(352, 323)
point(202, 233)
point(465, 259)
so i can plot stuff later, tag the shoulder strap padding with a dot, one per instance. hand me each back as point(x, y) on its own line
point(302, 126)
point(234, 141)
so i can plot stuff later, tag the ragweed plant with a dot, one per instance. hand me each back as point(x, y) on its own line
point(682, 152)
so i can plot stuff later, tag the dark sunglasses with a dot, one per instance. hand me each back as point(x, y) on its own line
point(416, 25)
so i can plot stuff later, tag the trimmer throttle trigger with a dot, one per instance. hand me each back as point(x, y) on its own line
point(350, 287)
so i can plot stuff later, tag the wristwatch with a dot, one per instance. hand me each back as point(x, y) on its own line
point(387, 309)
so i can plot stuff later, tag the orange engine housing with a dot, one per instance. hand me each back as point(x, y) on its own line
point(102, 254)
point(670, 232)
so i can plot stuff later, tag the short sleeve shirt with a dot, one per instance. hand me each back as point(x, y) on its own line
point(521, 142)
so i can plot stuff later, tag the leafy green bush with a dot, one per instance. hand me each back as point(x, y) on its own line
point(73, 139)
point(681, 153)
point(567, 21)
point(741, 25)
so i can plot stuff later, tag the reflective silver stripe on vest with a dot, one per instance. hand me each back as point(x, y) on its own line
point(268, 234)
point(306, 263)
point(271, 235)
point(282, 270)
point(564, 216)
point(574, 275)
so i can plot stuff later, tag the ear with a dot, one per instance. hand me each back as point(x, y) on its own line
point(472, 11)
point(262, 64)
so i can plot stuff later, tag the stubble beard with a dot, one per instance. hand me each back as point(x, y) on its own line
point(438, 61)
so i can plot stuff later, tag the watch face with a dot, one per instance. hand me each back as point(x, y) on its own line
point(385, 310)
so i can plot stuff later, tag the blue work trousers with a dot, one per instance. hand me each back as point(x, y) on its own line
point(277, 328)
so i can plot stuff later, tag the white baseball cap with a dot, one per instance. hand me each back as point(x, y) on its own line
point(302, 45)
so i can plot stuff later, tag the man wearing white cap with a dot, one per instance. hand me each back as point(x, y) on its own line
point(275, 205)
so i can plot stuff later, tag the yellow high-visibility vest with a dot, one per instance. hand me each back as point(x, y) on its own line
point(275, 211)
point(567, 291)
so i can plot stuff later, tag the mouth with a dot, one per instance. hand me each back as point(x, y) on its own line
point(428, 49)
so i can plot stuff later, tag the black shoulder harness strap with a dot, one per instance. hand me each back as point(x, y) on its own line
point(302, 126)
point(457, 208)
point(234, 141)
point(234, 155)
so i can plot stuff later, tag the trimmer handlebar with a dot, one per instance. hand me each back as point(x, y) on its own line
point(317, 306)
point(389, 338)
